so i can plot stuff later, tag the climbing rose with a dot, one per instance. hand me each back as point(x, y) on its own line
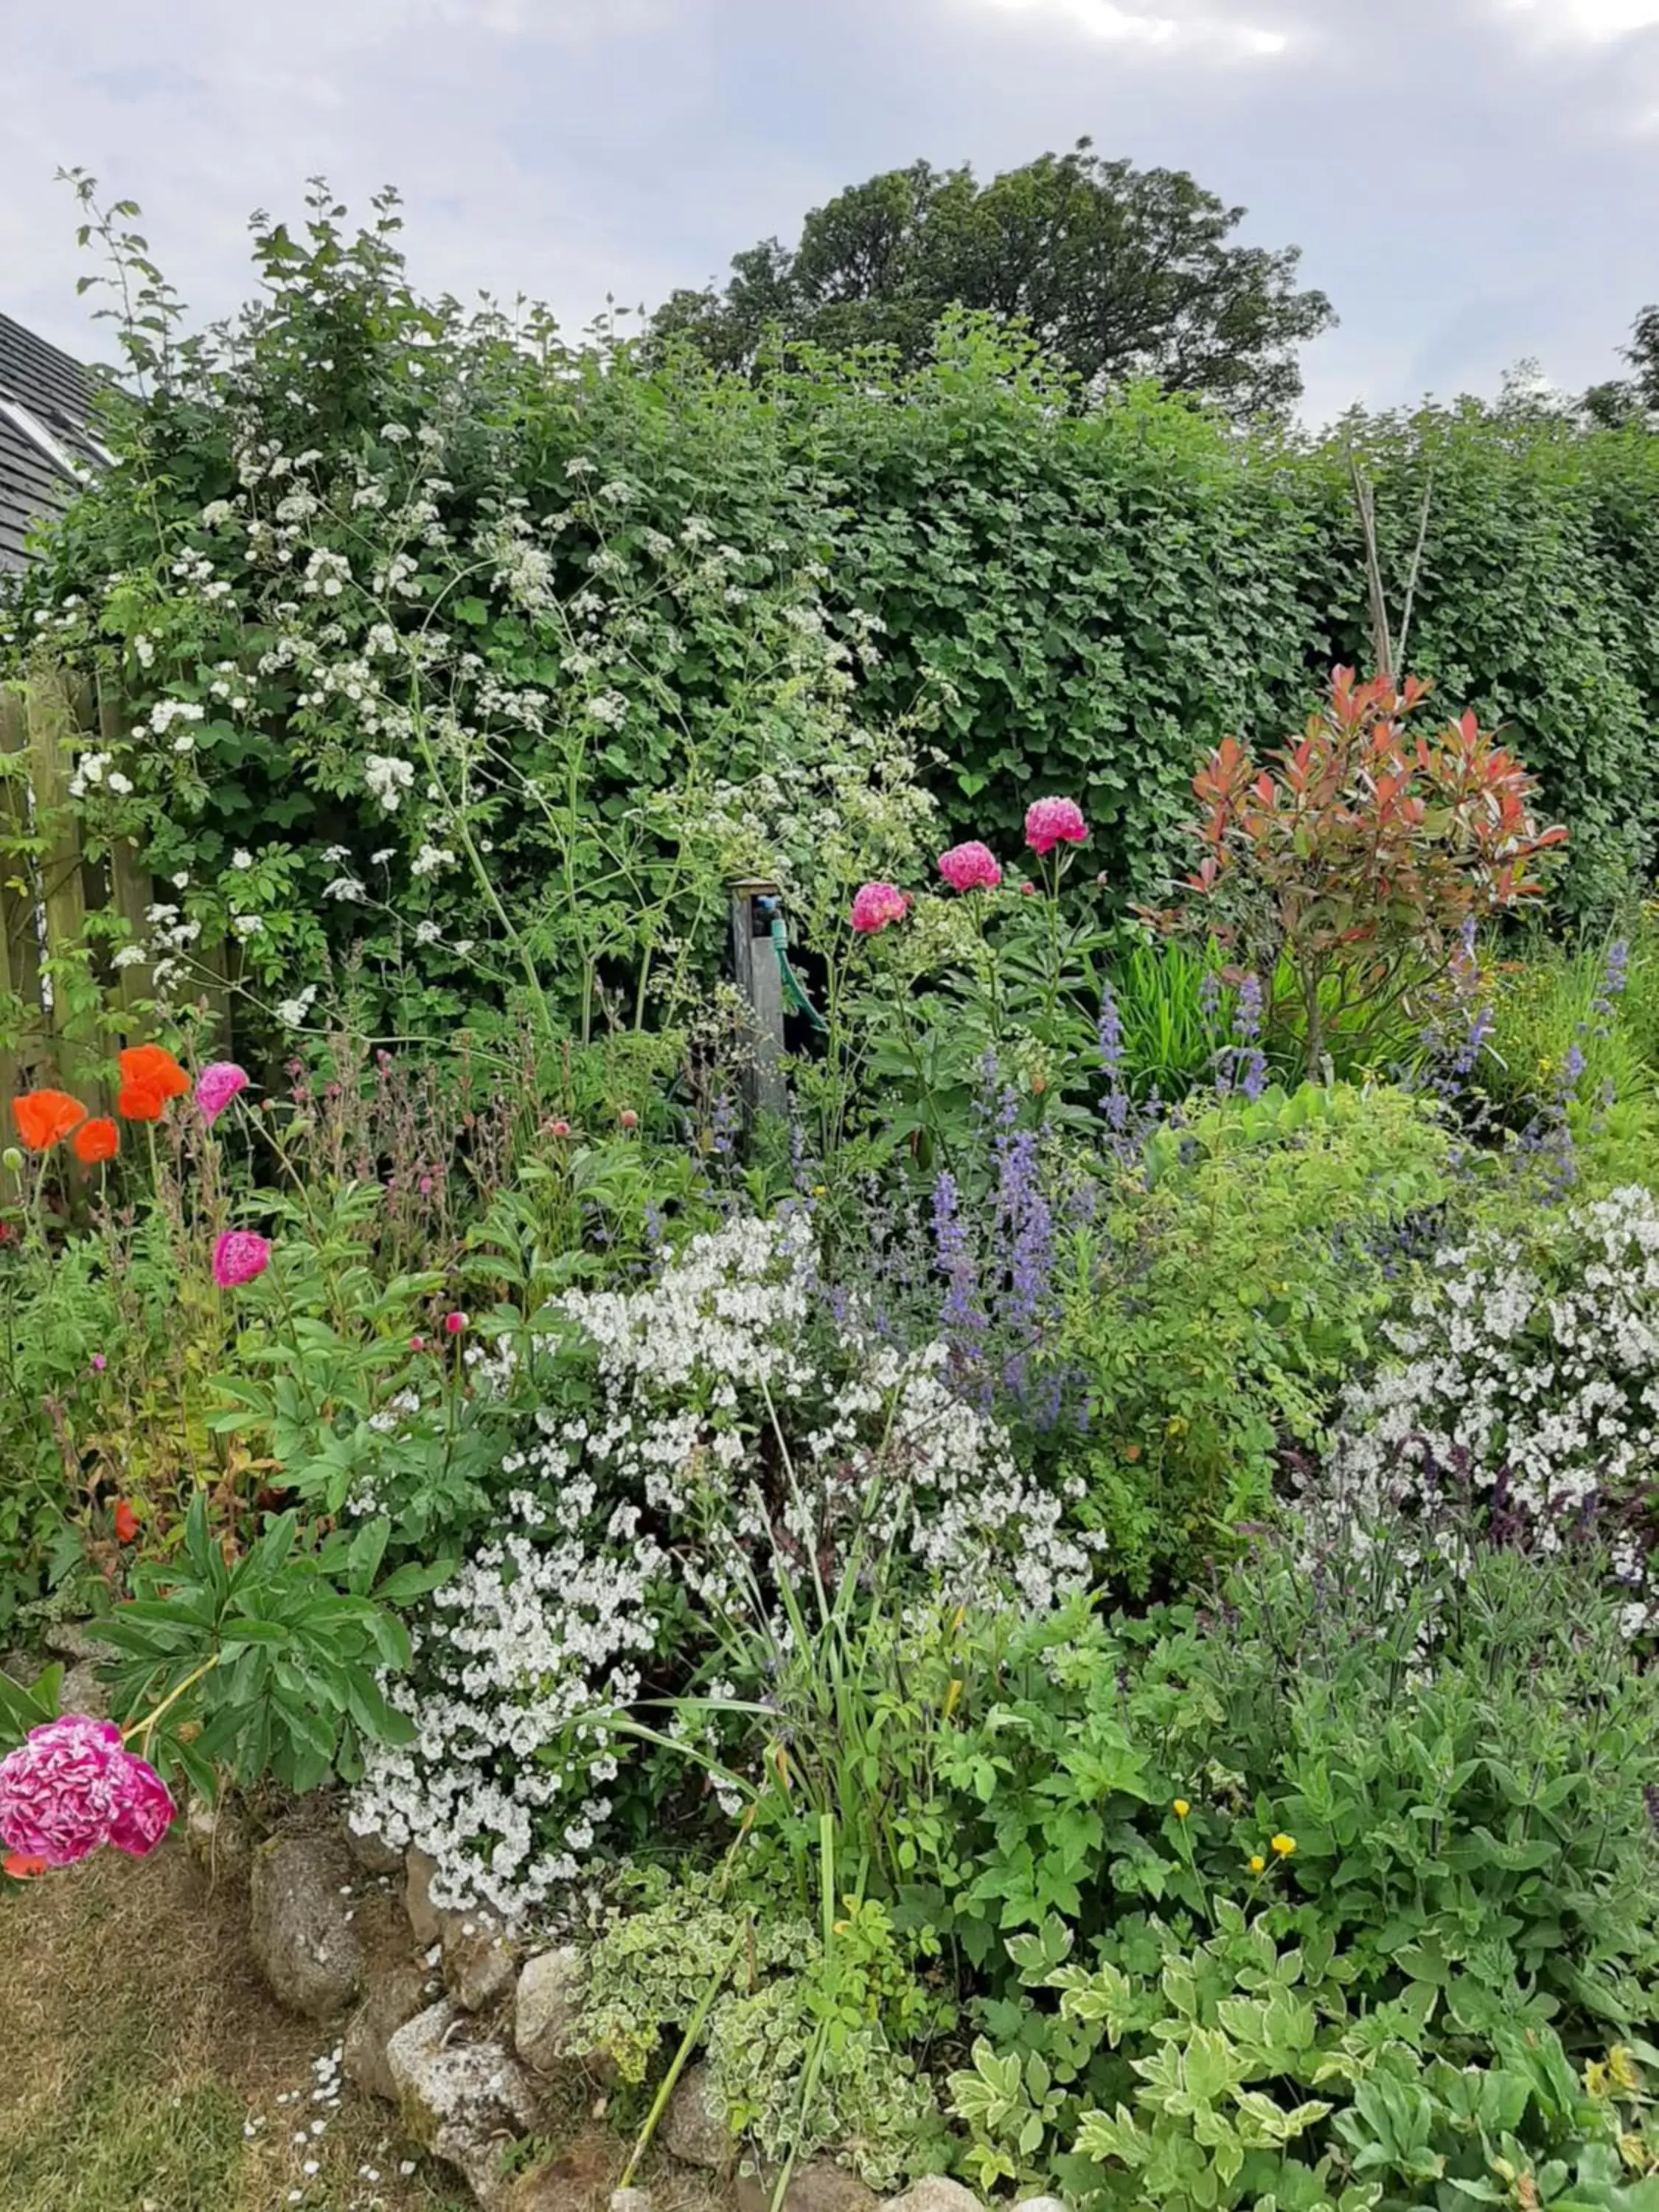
point(45, 1118)
point(875, 905)
point(96, 1140)
point(216, 1085)
point(970, 867)
point(70, 1786)
point(238, 1257)
point(1051, 821)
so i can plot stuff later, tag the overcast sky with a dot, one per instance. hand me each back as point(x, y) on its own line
point(1472, 181)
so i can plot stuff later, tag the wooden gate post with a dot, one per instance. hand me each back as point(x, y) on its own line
point(760, 986)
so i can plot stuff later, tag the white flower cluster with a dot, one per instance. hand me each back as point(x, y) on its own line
point(712, 1380)
point(94, 768)
point(387, 779)
point(1532, 1374)
point(522, 1654)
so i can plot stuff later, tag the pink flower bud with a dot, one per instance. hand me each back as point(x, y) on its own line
point(558, 1128)
point(628, 1118)
point(454, 1323)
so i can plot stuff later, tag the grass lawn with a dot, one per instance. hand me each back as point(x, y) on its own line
point(140, 2046)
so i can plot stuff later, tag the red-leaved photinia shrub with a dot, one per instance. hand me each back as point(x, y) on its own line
point(1362, 852)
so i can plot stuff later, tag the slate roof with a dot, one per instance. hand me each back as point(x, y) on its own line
point(46, 404)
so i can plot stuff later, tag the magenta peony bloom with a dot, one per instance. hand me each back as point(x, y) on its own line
point(238, 1257)
point(970, 867)
point(216, 1085)
point(63, 1789)
point(1051, 821)
point(875, 905)
point(454, 1323)
point(147, 1808)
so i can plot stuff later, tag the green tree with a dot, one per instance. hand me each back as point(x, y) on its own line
point(1118, 272)
point(1623, 399)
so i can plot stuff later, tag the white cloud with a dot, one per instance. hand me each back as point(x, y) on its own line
point(1596, 20)
point(1170, 26)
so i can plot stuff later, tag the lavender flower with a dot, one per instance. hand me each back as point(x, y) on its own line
point(962, 1319)
point(1114, 1101)
point(1249, 1065)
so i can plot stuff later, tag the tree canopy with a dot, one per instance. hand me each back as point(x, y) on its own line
point(1623, 399)
point(1118, 272)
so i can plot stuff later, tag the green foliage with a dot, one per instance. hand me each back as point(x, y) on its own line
point(807, 2042)
point(26, 1705)
point(1124, 272)
point(1214, 1312)
point(267, 1663)
point(1429, 1783)
point(1459, 1745)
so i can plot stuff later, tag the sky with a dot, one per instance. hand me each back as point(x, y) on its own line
point(1473, 182)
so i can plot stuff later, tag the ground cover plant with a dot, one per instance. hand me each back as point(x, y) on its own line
point(1071, 1608)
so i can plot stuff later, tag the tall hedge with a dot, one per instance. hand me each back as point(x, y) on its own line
point(1084, 599)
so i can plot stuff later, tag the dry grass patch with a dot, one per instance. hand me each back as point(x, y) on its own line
point(141, 2045)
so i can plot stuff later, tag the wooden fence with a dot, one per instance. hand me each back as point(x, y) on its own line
point(49, 884)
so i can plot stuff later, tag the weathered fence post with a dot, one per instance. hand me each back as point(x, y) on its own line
point(760, 985)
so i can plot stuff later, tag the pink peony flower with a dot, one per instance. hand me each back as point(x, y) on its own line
point(63, 1789)
point(147, 1808)
point(216, 1085)
point(970, 867)
point(876, 904)
point(454, 1323)
point(1051, 821)
point(238, 1257)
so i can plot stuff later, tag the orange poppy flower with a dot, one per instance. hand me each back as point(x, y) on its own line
point(45, 1118)
point(97, 1140)
point(127, 1521)
point(150, 1077)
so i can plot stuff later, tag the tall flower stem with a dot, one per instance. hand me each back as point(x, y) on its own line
point(146, 1728)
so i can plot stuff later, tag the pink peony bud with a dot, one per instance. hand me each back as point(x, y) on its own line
point(558, 1128)
point(970, 867)
point(454, 1323)
point(417, 1344)
point(628, 1118)
point(1051, 821)
point(238, 1257)
point(876, 904)
point(216, 1085)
